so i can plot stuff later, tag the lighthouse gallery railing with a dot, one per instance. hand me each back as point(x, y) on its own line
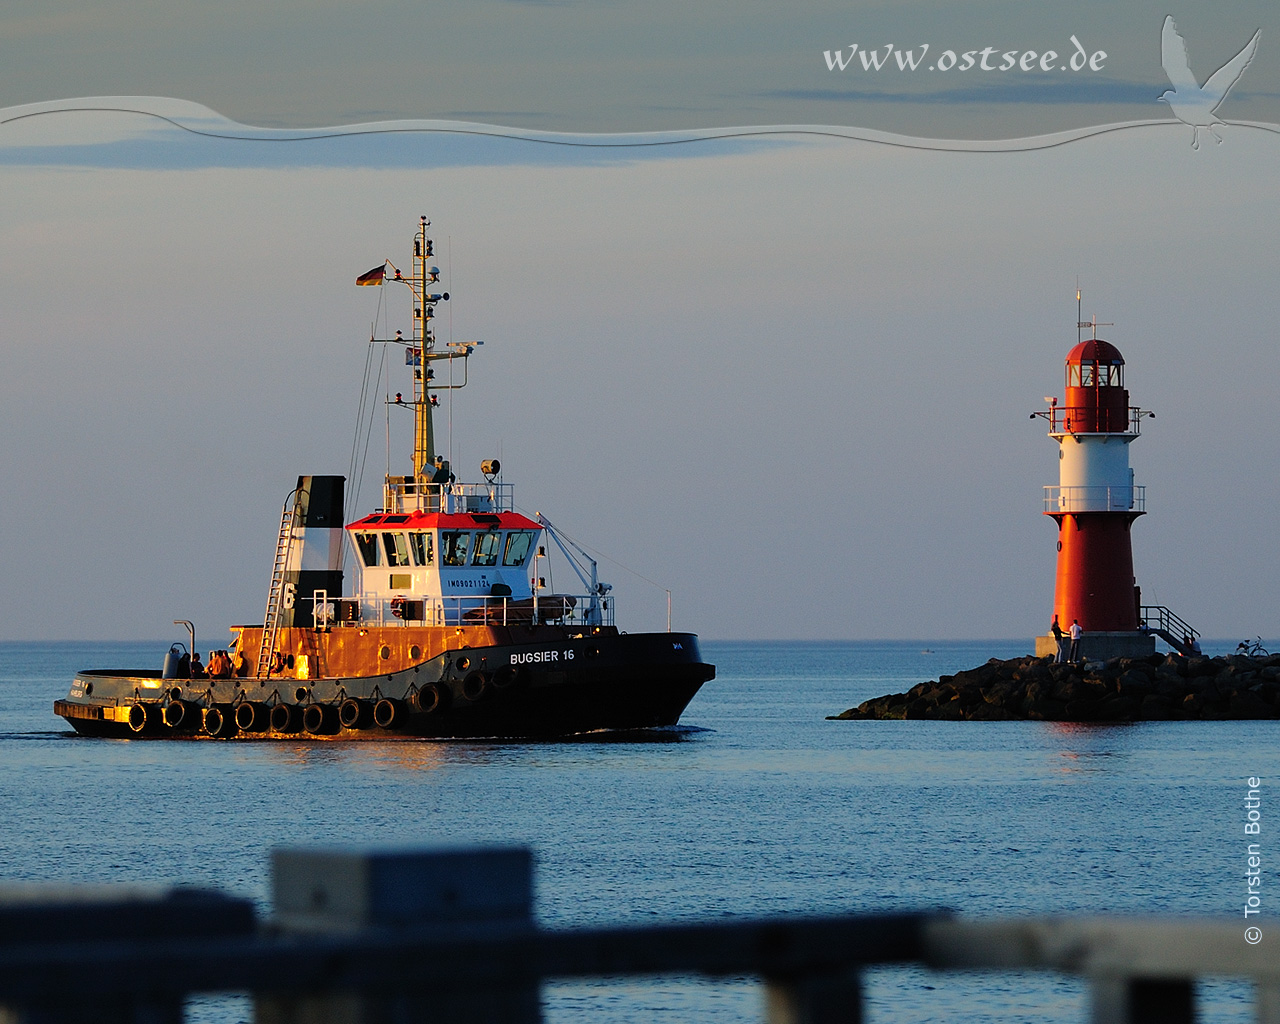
point(1094, 499)
point(1062, 417)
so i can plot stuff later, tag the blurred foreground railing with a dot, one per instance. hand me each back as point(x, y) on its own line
point(448, 936)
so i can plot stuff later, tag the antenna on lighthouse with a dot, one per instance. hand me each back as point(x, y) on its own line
point(1091, 322)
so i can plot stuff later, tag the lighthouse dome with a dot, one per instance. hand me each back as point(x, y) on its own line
point(1096, 400)
point(1095, 350)
point(1095, 364)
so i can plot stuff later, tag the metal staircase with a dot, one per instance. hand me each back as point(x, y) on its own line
point(1167, 626)
point(276, 593)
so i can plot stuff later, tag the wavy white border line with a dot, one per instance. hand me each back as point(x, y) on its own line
point(205, 122)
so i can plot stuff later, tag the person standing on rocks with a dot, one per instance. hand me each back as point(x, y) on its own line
point(1056, 630)
point(1076, 634)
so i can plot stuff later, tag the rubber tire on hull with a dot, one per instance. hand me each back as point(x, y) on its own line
point(252, 716)
point(432, 698)
point(354, 713)
point(321, 719)
point(219, 721)
point(182, 715)
point(286, 718)
point(146, 717)
point(389, 713)
point(475, 686)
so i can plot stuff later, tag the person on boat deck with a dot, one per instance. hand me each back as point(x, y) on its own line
point(442, 474)
point(240, 666)
point(219, 665)
point(1056, 630)
point(197, 669)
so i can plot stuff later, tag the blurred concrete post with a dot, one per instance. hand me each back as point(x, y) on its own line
point(337, 891)
point(1267, 1002)
point(814, 999)
point(1128, 1000)
point(70, 925)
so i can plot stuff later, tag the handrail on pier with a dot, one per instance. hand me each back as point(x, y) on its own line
point(449, 936)
point(1157, 619)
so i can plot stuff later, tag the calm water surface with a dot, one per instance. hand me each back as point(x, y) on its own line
point(758, 805)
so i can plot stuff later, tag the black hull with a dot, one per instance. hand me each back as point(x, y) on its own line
point(527, 691)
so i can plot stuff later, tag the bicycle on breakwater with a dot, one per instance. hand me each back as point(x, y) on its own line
point(1252, 648)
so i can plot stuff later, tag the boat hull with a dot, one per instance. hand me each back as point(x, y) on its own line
point(540, 690)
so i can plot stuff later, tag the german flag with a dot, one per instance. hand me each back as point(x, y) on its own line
point(374, 276)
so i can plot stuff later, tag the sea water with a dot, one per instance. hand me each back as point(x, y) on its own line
point(757, 805)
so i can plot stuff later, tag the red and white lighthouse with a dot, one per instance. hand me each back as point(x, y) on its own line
point(1094, 504)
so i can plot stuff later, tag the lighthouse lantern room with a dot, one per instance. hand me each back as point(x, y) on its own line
point(1095, 503)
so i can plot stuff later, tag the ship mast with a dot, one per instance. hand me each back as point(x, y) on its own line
point(420, 354)
point(423, 352)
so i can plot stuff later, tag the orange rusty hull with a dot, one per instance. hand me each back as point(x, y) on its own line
point(352, 651)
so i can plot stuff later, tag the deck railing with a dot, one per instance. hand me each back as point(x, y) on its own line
point(448, 936)
point(409, 495)
point(410, 610)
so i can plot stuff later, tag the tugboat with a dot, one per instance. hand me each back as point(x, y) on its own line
point(448, 629)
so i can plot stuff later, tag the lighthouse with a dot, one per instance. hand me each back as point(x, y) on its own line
point(1095, 504)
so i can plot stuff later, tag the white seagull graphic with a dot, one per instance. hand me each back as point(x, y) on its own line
point(1190, 102)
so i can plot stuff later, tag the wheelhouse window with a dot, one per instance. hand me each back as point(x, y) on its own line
point(422, 547)
point(397, 545)
point(454, 545)
point(367, 545)
point(487, 547)
point(518, 544)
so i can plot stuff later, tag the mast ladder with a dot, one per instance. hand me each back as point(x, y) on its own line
point(275, 594)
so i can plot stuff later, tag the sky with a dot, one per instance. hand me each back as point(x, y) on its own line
point(786, 376)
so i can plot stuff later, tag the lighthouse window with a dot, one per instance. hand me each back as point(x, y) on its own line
point(367, 543)
point(1087, 371)
point(486, 548)
point(518, 543)
point(1073, 375)
point(420, 545)
point(453, 546)
point(397, 545)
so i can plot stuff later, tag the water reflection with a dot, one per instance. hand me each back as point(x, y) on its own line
point(1092, 748)
point(409, 755)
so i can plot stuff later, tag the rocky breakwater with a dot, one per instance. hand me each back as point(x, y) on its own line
point(1159, 688)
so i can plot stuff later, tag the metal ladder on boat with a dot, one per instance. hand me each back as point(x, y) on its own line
point(275, 595)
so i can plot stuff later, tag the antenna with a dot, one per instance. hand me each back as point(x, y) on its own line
point(1095, 323)
point(1091, 322)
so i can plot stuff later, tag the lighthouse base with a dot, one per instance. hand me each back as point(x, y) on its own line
point(1101, 646)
